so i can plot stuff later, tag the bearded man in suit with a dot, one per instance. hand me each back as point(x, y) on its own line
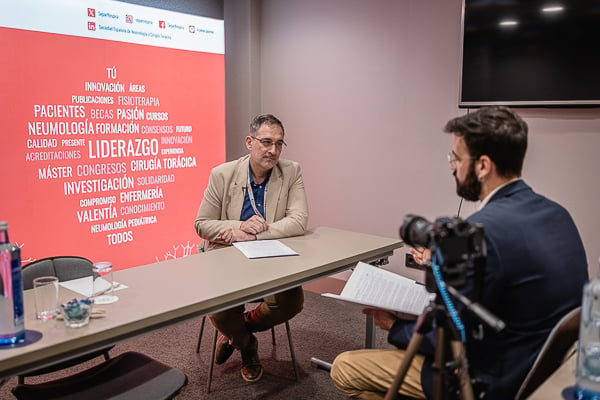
point(535, 270)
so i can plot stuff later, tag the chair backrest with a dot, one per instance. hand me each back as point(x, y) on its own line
point(556, 348)
point(63, 267)
point(130, 375)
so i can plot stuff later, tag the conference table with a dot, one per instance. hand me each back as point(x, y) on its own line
point(168, 292)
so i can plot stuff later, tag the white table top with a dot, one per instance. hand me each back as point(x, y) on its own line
point(167, 292)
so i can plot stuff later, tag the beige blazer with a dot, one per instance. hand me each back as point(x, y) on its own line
point(221, 207)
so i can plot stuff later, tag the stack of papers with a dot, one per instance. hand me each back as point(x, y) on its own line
point(264, 248)
point(377, 288)
point(84, 286)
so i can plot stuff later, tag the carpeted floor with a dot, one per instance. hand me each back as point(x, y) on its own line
point(323, 329)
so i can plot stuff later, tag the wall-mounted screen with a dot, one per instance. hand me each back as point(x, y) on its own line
point(113, 115)
point(530, 53)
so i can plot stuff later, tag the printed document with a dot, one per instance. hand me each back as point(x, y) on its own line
point(264, 248)
point(84, 285)
point(377, 288)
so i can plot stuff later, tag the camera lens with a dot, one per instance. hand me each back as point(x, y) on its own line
point(415, 231)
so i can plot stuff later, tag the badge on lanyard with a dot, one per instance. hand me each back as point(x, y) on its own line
point(251, 196)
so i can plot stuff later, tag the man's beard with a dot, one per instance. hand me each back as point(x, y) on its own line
point(470, 189)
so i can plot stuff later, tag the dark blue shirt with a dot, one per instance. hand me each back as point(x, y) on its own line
point(258, 191)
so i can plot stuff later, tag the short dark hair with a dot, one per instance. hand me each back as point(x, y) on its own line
point(497, 132)
point(262, 119)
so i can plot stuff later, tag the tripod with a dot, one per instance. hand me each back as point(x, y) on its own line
point(456, 247)
point(436, 311)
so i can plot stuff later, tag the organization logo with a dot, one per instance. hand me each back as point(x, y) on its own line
point(162, 24)
point(192, 29)
point(91, 12)
point(129, 18)
point(91, 26)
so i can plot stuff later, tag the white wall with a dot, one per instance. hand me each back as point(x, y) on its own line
point(364, 89)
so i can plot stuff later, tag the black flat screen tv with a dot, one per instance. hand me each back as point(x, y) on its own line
point(530, 53)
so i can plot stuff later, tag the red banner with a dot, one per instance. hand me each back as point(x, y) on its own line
point(106, 147)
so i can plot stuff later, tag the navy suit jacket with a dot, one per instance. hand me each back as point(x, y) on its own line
point(535, 271)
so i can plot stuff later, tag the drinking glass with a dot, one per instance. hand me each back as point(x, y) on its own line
point(46, 297)
point(104, 285)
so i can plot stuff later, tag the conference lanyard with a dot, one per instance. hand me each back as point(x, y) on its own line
point(251, 197)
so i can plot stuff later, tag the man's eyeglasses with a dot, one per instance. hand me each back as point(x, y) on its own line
point(267, 143)
point(453, 159)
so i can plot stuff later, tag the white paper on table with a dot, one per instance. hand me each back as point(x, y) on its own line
point(83, 286)
point(264, 248)
point(375, 287)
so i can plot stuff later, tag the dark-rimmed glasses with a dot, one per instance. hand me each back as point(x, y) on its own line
point(267, 143)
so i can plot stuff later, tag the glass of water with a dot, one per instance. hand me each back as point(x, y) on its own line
point(46, 297)
point(104, 285)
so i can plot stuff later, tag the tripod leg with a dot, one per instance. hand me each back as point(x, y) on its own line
point(411, 350)
point(439, 367)
point(462, 370)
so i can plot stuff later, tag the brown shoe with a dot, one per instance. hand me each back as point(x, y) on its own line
point(252, 371)
point(224, 350)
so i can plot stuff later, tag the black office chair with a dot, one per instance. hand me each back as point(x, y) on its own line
point(65, 268)
point(214, 348)
point(130, 375)
point(558, 346)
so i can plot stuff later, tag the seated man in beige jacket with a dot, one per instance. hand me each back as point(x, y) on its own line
point(258, 196)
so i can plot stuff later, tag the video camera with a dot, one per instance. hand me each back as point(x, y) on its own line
point(458, 245)
point(458, 248)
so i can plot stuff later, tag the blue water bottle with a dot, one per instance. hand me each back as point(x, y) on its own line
point(587, 381)
point(12, 321)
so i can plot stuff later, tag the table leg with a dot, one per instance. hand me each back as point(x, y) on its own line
point(370, 325)
point(317, 363)
point(370, 333)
